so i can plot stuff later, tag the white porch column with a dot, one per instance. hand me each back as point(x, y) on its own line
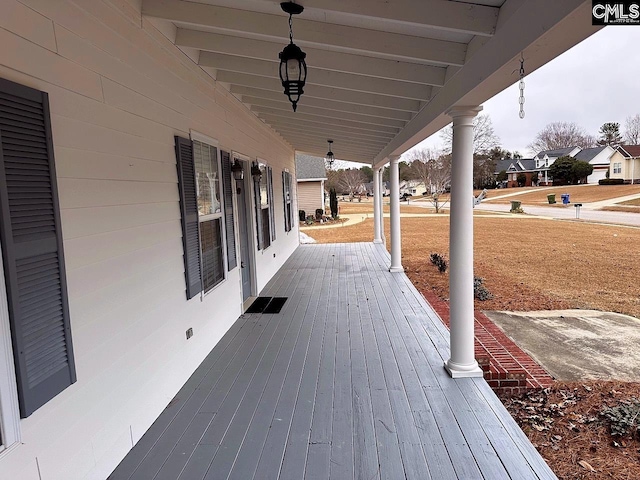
point(377, 206)
point(396, 242)
point(462, 362)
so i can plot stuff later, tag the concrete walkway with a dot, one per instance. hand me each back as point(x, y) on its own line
point(576, 345)
point(569, 213)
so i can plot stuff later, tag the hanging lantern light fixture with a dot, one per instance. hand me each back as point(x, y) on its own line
point(293, 68)
point(329, 157)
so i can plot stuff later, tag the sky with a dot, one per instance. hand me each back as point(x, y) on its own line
point(596, 81)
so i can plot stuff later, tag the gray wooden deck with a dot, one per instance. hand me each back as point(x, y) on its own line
point(346, 382)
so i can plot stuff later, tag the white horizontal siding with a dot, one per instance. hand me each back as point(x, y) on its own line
point(119, 91)
point(309, 197)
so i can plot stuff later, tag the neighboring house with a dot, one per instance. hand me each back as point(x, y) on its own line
point(310, 175)
point(413, 187)
point(545, 159)
point(600, 158)
point(515, 167)
point(625, 164)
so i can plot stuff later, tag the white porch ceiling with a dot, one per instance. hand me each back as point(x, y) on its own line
point(382, 73)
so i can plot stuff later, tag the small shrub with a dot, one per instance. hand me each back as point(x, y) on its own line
point(480, 291)
point(611, 181)
point(623, 419)
point(439, 261)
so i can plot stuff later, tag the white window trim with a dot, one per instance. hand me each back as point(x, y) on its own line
point(200, 137)
point(9, 406)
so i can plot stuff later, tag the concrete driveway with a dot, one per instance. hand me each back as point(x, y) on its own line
point(576, 345)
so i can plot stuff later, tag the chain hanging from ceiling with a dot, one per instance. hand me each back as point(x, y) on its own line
point(521, 86)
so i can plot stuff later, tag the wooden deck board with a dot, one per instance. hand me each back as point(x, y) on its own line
point(346, 382)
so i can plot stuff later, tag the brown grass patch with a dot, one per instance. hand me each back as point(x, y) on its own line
point(578, 193)
point(527, 264)
point(348, 208)
point(615, 208)
point(635, 202)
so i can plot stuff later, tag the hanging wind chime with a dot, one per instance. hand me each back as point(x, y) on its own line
point(521, 86)
point(293, 68)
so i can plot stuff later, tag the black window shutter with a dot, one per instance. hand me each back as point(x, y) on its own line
point(256, 194)
point(272, 216)
point(287, 210)
point(189, 216)
point(32, 248)
point(227, 190)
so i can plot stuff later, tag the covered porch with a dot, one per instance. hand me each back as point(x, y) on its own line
point(347, 381)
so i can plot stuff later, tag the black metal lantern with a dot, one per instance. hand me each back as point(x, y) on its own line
point(256, 173)
point(293, 68)
point(329, 157)
point(237, 170)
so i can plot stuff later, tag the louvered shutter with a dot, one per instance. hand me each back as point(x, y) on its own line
point(32, 248)
point(285, 202)
point(272, 216)
point(189, 215)
point(256, 194)
point(227, 190)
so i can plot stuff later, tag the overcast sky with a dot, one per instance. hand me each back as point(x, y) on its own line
point(597, 81)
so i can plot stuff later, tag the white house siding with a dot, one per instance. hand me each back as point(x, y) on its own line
point(119, 92)
point(310, 196)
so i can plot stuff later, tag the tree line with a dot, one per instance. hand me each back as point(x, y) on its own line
point(432, 166)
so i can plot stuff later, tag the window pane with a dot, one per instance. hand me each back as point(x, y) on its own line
point(211, 244)
point(206, 162)
point(264, 196)
point(266, 228)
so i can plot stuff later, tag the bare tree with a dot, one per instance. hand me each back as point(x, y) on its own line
point(632, 130)
point(484, 136)
point(561, 135)
point(432, 167)
point(352, 181)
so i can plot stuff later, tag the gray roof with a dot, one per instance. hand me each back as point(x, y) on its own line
point(559, 152)
point(529, 164)
point(588, 154)
point(308, 167)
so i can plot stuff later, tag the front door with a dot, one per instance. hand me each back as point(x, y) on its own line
point(243, 228)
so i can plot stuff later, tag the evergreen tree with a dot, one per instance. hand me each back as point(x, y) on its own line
point(610, 134)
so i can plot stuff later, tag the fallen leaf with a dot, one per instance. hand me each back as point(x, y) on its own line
point(584, 464)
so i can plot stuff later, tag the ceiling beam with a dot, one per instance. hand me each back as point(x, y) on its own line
point(339, 140)
point(323, 112)
point(338, 122)
point(309, 33)
point(335, 136)
point(323, 149)
point(323, 127)
point(316, 58)
point(437, 14)
point(319, 91)
point(348, 81)
point(256, 96)
point(332, 133)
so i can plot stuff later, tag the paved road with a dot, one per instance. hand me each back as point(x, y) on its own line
point(569, 212)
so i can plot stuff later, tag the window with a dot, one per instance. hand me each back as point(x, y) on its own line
point(617, 168)
point(265, 221)
point(286, 200)
point(35, 310)
point(205, 216)
point(205, 158)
